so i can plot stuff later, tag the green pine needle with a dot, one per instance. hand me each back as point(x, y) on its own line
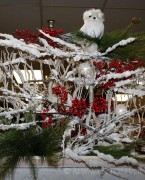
point(115, 150)
point(132, 50)
point(8, 166)
point(18, 145)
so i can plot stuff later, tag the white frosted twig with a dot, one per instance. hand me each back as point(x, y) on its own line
point(121, 43)
point(54, 51)
point(14, 61)
point(134, 92)
point(123, 160)
point(20, 45)
point(21, 126)
point(12, 112)
point(22, 95)
point(92, 164)
point(111, 75)
point(96, 163)
point(124, 82)
point(60, 41)
point(84, 55)
point(7, 36)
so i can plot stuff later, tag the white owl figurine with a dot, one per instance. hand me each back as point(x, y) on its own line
point(93, 23)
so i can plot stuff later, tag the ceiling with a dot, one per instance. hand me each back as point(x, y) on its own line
point(33, 14)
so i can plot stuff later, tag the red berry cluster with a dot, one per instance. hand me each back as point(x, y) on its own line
point(115, 66)
point(100, 66)
point(75, 132)
point(33, 38)
point(99, 105)
point(83, 131)
point(62, 109)
point(57, 90)
point(78, 107)
point(142, 134)
point(121, 66)
point(51, 32)
point(142, 124)
point(47, 123)
point(61, 92)
point(109, 84)
point(27, 36)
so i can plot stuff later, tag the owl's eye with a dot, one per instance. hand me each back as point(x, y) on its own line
point(90, 16)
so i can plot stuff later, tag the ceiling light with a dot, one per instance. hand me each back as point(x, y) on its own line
point(28, 76)
point(122, 97)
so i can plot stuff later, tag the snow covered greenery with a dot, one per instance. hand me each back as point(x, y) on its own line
point(23, 145)
point(135, 49)
point(99, 92)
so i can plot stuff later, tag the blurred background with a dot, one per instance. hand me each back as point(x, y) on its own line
point(34, 14)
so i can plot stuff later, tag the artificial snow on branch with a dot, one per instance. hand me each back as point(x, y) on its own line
point(11, 112)
point(21, 126)
point(123, 160)
point(123, 42)
point(60, 41)
point(125, 74)
point(134, 92)
point(14, 61)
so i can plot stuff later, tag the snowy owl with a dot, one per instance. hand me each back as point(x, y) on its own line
point(93, 23)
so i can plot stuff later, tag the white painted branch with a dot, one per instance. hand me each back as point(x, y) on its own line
point(60, 41)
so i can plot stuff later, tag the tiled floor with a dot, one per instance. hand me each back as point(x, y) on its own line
point(74, 174)
point(68, 170)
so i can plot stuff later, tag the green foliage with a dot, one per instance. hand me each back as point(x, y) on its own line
point(2, 120)
point(133, 50)
point(80, 36)
point(17, 145)
point(29, 116)
point(128, 52)
point(115, 150)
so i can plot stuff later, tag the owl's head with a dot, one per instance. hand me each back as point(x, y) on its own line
point(93, 15)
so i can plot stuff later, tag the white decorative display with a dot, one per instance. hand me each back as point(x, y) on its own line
point(68, 85)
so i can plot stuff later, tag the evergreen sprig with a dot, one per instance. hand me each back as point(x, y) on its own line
point(23, 145)
point(135, 49)
point(79, 35)
point(115, 150)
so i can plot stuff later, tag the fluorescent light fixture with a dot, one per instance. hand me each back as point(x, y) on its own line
point(122, 97)
point(27, 76)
